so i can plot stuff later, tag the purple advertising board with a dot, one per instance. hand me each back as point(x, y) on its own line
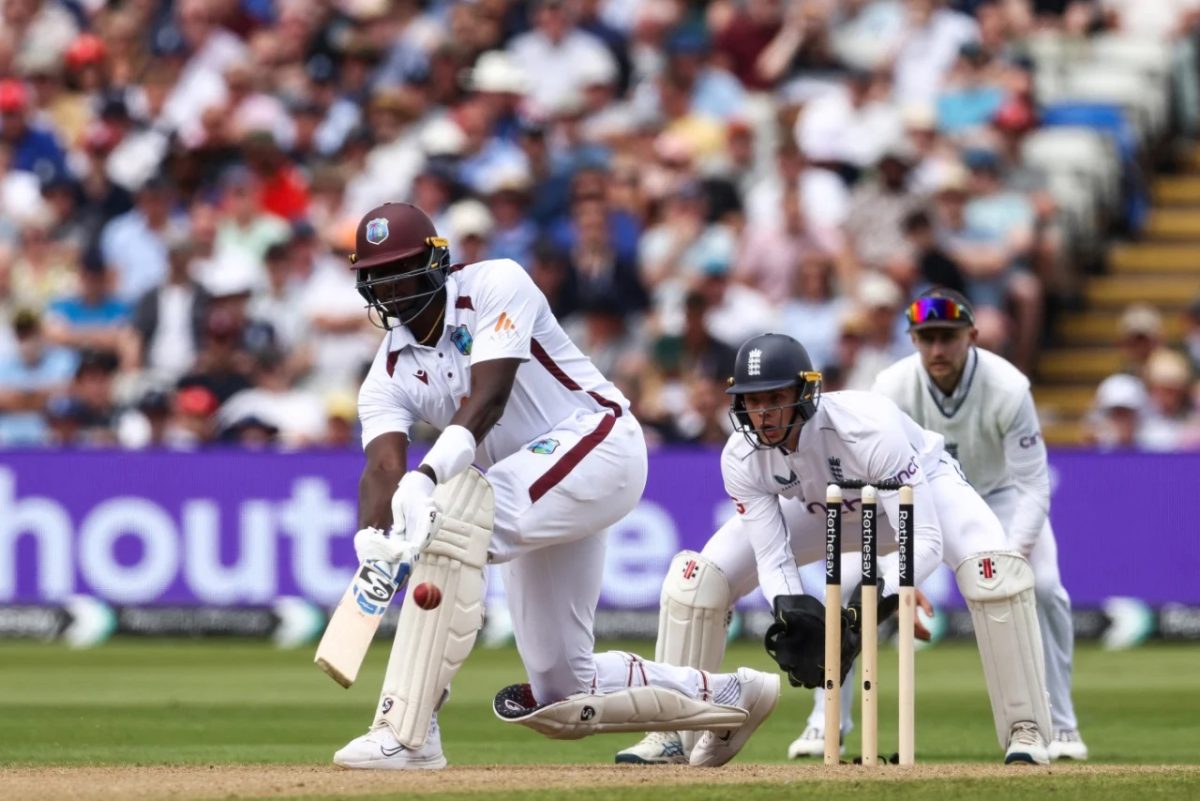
point(243, 528)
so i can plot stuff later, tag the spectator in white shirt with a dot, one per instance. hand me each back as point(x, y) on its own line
point(553, 52)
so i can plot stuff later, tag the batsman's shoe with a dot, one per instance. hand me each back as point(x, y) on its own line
point(379, 749)
point(656, 748)
point(1026, 746)
point(759, 695)
point(811, 744)
point(1067, 744)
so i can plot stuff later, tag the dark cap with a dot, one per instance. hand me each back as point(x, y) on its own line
point(940, 308)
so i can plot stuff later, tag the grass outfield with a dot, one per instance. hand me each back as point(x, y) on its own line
point(208, 704)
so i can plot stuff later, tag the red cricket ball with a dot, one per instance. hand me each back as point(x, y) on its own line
point(426, 595)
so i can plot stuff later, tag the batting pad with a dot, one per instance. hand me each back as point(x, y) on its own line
point(635, 709)
point(998, 588)
point(693, 617)
point(432, 644)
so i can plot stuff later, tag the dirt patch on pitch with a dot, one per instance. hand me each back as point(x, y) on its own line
point(191, 782)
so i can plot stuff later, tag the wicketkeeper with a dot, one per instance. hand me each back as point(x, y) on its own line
point(791, 441)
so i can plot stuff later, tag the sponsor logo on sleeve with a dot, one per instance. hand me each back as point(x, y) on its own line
point(1031, 440)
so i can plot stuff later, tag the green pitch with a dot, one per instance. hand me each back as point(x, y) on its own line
point(137, 703)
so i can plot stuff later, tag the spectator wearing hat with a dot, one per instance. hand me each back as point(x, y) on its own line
point(514, 233)
point(169, 319)
point(484, 153)
point(341, 422)
point(34, 149)
point(553, 50)
point(193, 420)
point(1171, 422)
point(251, 432)
point(42, 270)
point(1115, 419)
point(501, 86)
point(1139, 335)
point(134, 244)
point(734, 312)
point(28, 377)
point(93, 318)
point(878, 208)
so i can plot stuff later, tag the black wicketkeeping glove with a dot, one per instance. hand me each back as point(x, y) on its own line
point(796, 640)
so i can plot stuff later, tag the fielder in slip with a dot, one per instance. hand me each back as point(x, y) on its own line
point(982, 405)
point(474, 351)
point(790, 441)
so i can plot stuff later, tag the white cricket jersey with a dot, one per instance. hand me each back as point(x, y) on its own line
point(493, 311)
point(852, 436)
point(990, 425)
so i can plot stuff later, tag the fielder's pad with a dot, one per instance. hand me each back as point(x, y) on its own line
point(998, 588)
point(432, 643)
point(635, 709)
point(796, 640)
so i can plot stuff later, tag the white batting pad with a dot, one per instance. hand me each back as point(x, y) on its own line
point(693, 617)
point(633, 709)
point(432, 644)
point(998, 588)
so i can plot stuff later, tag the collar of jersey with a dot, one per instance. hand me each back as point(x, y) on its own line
point(949, 405)
point(400, 337)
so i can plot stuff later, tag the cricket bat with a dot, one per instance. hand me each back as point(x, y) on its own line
point(356, 618)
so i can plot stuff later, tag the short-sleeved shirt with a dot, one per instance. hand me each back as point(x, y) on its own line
point(493, 311)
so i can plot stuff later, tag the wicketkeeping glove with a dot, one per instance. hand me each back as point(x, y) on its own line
point(796, 640)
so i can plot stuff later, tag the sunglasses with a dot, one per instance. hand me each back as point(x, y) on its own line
point(925, 310)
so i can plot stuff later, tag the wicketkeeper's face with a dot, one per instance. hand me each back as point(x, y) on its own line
point(771, 413)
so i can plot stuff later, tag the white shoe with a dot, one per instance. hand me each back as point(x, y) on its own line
point(759, 695)
point(1026, 746)
point(379, 749)
point(1067, 744)
point(656, 748)
point(812, 744)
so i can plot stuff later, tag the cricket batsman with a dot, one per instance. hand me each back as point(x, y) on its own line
point(474, 351)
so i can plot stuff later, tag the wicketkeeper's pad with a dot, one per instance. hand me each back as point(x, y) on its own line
point(998, 588)
point(432, 644)
point(633, 709)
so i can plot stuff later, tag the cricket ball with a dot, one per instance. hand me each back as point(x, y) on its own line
point(426, 595)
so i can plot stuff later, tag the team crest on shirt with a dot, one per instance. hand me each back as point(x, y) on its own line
point(544, 446)
point(462, 339)
point(377, 231)
point(835, 469)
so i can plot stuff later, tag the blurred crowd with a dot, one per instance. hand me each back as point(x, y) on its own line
point(1153, 403)
point(180, 183)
